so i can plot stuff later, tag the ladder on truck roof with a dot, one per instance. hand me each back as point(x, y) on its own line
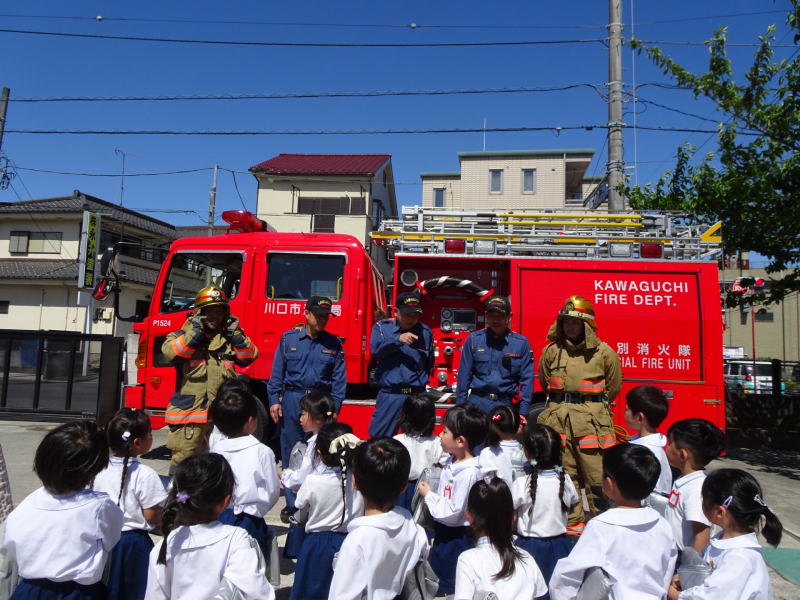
point(548, 233)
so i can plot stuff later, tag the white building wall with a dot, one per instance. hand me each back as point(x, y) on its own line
point(68, 225)
point(452, 185)
point(277, 198)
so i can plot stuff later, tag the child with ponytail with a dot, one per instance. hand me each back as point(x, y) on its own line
point(495, 564)
point(543, 500)
point(503, 455)
point(733, 501)
point(330, 502)
point(198, 551)
point(138, 491)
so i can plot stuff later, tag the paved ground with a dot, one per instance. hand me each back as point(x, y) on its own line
point(778, 473)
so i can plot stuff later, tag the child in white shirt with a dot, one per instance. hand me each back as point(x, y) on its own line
point(383, 546)
point(330, 503)
point(732, 500)
point(632, 543)
point(316, 409)
point(496, 564)
point(464, 428)
point(693, 443)
point(235, 413)
point(543, 499)
point(61, 534)
point(198, 551)
point(503, 455)
point(138, 492)
point(417, 419)
point(646, 408)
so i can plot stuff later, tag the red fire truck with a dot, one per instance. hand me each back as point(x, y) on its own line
point(652, 281)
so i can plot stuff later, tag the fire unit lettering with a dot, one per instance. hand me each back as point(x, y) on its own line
point(665, 298)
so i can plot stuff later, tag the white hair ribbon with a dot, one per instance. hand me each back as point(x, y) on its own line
point(348, 439)
point(759, 501)
point(126, 435)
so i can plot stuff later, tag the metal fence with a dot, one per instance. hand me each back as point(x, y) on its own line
point(58, 376)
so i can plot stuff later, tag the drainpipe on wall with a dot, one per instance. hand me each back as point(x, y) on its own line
point(41, 309)
point(564, 181)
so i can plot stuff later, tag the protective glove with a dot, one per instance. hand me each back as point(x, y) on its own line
point(197, 321)
point(234, 333)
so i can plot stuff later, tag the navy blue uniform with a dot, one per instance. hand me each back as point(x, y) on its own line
point(402, 370)
point(495, 365)
point(304, 363)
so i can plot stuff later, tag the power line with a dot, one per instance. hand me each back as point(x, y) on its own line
point(727, 44)
point(303, 44)
point(675, 110)
point(113, 174)
point(383, 25)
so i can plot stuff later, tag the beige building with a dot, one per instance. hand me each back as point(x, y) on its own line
point(328, 193)
point(511, 179)
point(777, 330)
point(39, 250)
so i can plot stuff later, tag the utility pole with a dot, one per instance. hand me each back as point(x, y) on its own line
point(615, 167)
point(3, 107)
point(211, 203)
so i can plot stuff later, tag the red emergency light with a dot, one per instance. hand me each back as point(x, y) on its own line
point(651, 250)
point(455, 246)
point(246, 222)
point(759, 282)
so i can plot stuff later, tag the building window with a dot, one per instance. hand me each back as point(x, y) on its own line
point(4, 304)
point(35, 242)
point(496, 181)
point(358, 206)
point(528, 181)
point(765, 317)
point(324, 224)
point(438, 197)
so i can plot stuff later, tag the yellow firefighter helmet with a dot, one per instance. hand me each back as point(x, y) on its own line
point(210, 296)
point(578, 307)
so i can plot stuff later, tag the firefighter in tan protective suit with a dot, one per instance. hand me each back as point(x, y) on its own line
point(204, 352)
point(580, 374)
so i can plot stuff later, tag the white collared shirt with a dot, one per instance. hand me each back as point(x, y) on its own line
point(656, 444)
point(477, 567)
point(63, 538)
point(425, 452)
point(143, 489)
point(253, 464)
point(198, 557)
point(377, 555)
point(321, 496)
point(740, 572)
point(294, 479)
point(502, 460)
point(686, 505)
point(448, 504)
point(548, 519)
point(635, 546)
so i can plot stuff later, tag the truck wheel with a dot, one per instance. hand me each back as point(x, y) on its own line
point(262, 432)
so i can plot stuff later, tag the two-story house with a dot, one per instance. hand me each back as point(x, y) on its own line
point(328, 193)
point(39, 252)
point(511, 180)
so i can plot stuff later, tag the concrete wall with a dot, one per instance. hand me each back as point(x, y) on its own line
point(69, 225)
point(452, 196)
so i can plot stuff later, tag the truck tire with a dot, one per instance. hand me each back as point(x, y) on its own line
point(262, 426)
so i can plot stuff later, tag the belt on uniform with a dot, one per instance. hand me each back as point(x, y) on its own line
point(407, 389)
point(559, 397)
point(495, 397)
point(308, 390)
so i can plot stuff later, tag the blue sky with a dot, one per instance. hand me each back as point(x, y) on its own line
point(39, 66)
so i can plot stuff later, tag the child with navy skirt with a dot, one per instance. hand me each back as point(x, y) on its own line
point(464, 428)
point(329, 502)
point(235, 413)
point(61, 534)
point(543, 500)
point(138, 491)
point(417, 419)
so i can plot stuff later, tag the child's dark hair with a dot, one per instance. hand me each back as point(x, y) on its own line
point(234, 383)
point(231, 409)
point(634, 468)
point(341, 458)
point(380, 469)
point(701, 438)
point(492, 510)
point(746, 505)
point(469, 421)
point(70, 456)
point(201, 482)
point(319, 405)
point(418, 415)
point(544, 448)
point(649, 400)
point(126, 425)
point(502, 420)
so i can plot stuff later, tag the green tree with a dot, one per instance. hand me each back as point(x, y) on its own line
point(754, 190)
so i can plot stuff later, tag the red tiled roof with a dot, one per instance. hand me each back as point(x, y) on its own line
point(327, 164)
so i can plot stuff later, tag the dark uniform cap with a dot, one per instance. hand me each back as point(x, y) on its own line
point(498, 302)
point(408, 303)
point(319, 304)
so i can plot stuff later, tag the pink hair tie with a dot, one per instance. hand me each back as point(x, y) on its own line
point(496, 418)
point(182, 497)
point(727, 502)
point(523, 420)
point(487, 480)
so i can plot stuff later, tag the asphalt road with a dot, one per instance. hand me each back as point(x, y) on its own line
point(777, 472)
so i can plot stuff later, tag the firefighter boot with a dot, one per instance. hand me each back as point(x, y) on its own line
point(186, 440)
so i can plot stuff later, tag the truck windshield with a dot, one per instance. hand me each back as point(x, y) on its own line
point(189, 272)
point(300, 276)
point(761, 370)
